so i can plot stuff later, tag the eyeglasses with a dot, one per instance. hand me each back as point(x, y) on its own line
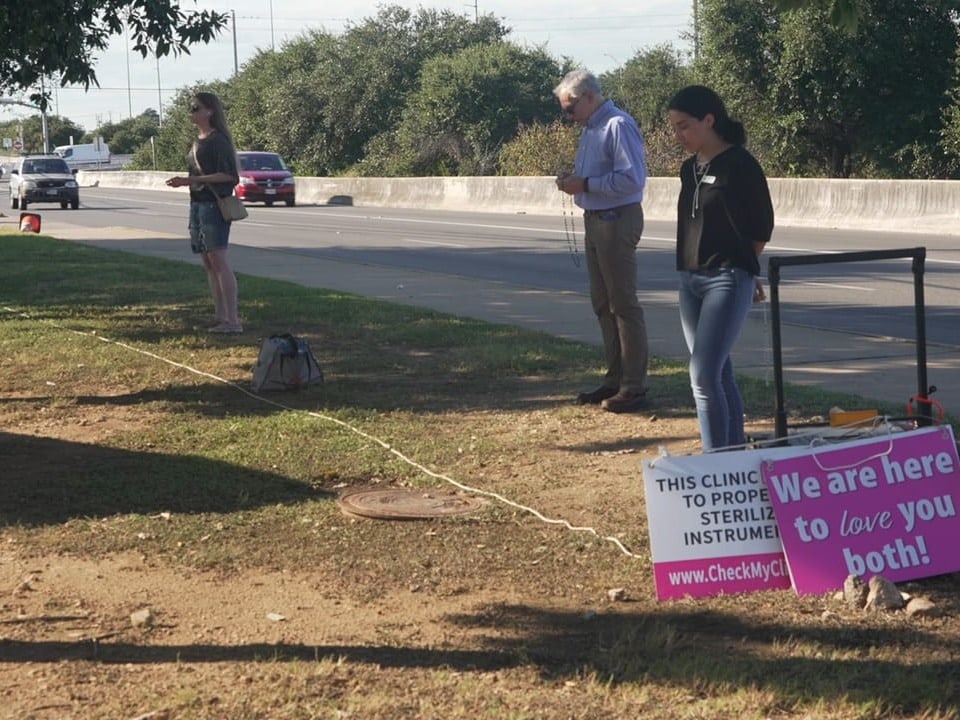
point(569, 110)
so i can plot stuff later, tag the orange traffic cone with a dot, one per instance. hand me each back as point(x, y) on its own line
point(29, 222)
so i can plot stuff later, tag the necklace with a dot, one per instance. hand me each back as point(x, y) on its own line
point(699, 173)
point(570, 230)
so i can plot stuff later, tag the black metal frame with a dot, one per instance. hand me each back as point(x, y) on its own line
point(918, 254)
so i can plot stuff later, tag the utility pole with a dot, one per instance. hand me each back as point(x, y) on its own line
point(696, 30)
point(126, 52)
point(273, 46)
point(43, 117)
point(159, 93)
point(233, 16)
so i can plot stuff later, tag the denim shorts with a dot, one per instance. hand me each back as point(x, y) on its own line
point(208, 230)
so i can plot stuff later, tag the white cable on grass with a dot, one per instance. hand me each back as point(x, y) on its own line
point(351, 428)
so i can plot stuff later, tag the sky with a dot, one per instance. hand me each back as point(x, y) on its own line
point(599, 36)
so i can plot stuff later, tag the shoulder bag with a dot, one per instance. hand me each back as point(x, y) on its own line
point(286, 362)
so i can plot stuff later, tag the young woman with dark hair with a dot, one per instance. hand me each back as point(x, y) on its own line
point(724, 220)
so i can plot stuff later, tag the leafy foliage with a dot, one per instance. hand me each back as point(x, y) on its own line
point(540, 149)
point(821, 101)
point(59, 131)
point(824, 87)
point(469, 104)
point(63, 37)
point(127, 136)
point(644, 85)
point(844, 14)
point(287, 102)
point(279, 102)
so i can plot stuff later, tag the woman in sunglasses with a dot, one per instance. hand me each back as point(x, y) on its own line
point(212, 163)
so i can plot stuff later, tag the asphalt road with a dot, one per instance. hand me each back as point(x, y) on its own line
point(846, 325)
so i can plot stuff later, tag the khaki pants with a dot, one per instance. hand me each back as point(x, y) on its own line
point(610, 247)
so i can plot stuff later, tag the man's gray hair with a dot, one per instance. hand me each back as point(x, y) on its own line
point(577, 82)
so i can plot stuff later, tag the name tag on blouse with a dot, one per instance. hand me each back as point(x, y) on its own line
point(709, 179)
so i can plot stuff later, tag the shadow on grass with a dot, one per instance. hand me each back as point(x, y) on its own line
point(692, 649)
point(50, 481)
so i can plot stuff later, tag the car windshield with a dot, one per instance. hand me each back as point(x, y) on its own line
point(261, 162)
point(45, 165)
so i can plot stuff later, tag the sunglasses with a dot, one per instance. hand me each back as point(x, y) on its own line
point(569, 110)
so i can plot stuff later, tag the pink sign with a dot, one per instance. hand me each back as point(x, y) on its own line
point(874, 507)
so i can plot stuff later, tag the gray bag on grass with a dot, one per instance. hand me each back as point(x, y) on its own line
point(285, 363)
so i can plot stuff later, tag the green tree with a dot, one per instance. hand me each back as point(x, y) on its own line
point(322, 98)
point(468, 105)
point(540, 149)
point(844, 14)
point(823, 100)
point(63, 37)
point(127, 136)
point(278, 102)
point(950, 132)
point(59, 131)
point(644, 85)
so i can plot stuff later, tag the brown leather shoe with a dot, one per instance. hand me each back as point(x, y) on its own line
point(625, 401)
point(595, 397)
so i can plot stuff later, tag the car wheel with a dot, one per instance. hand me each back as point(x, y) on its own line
point(74, 204)
point(291, 202)
point(63, 204)
point(268, 203)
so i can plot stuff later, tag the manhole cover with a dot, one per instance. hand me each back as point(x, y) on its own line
point(399, 504)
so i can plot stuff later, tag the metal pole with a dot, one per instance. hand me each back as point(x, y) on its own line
point(924, 409)
point(126, 29)
point(236, 68)
point(43, 118)
point(272, 44)
point(696, 30)
point(159, 94)
point(46, 135)
point(780, 412)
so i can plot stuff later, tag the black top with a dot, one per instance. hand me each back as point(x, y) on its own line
point(214, 153)
point(723, 209)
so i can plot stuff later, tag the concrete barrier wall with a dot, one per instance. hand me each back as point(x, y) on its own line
point(907, 205)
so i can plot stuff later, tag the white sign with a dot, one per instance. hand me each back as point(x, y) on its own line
point(712, 527)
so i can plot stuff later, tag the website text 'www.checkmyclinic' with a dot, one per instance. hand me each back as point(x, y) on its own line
point(726, 572)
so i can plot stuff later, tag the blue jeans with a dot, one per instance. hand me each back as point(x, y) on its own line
point(208, 230)
point(713, 308)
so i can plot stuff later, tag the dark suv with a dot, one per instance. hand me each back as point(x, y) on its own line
point(265, 178)
point(43, 179)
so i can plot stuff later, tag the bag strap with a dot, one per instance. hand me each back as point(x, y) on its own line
point(201, 186)
point(196, 160)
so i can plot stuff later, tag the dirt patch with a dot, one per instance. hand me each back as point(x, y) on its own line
point(301, 611)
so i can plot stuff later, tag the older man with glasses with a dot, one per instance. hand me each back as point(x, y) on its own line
point(610, 171)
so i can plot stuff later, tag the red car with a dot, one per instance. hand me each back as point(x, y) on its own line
point(265, 178)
